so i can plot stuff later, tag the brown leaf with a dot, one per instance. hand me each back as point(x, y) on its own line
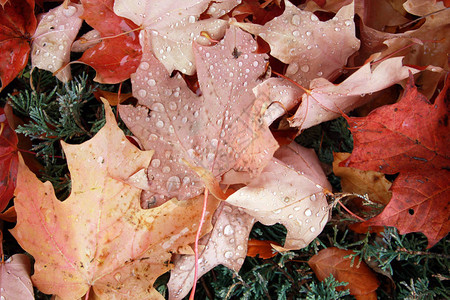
point(372, 183)
point(263, 249)
point(330, 261)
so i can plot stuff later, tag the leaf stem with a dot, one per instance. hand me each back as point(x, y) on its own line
point(197, 237)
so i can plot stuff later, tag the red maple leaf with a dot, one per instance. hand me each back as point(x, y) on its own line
point(8, 161)
point(117, 56)
point(17, 25)
point(410, 137)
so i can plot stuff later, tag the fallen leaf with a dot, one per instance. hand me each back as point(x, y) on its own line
point(118, 53)
point(17, 25)
point(312, 48)
point(372, 183)
point(174, 26)
point(331, 261)
point(53, 39)
point(290, 191)
point(419, 204)
point(411, 138)
point(263, 249)
point(409, 135)
point(214, 133)
point(15, 282)
point(99, 237)
point(8, 161)
point(113, 99)
point(326, 101)
point(226, 244)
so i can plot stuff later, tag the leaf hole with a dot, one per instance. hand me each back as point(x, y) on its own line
point(411, 211)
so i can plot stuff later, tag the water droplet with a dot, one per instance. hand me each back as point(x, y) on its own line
point(184, 120)
point(337, 29)
point(295, 20)
point(277, 211)
point(296, 33)
point(308, 212)
point(286, 199)
point(290, 216)
point(117, 276)
point(304, 68)
point(186, 180)
point(151, 82)
point(172, 105)
point(173, 183)
point(292, 68)
point(142, 93)
point(297, 208)
point(308, 33)
point(155, 163)
point(313, 197)
point(228, 230)
point(166, 169)
point(157, 107)
point(191, 19)
point(228, 254)
point(314, 18)
point(319, 73)
point(160, 124)
point(144, 65)
point(312, 229)
point(214, 142)
point(70, 11)
point(255, 63)
point(348, 23)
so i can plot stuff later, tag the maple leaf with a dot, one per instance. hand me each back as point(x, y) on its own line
point(174, 26)
point(303, 211)
point(326, 101)
point(410, 137)
point(53, 39)
point(372, 183)
point(117, 55)
point(17, 25)
point(226, 244)
point(311, 48)
point(426, 46)
point(215, 133)
point(8, 161)
point(99, 237)
point(15, 282)
point(331, 261)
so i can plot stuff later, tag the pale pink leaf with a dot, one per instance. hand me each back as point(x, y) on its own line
point(290, 191)
point(15, 282)
point(225, 245)
point(174, 26)
point(53, 39)
point(312, 48)
point(327, 101)
point(217, 132)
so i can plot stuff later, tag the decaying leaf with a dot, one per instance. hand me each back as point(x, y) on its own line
point(214, 133)
point(312, 48)
point(372, 183)
point(331, 261)
point(99, 237)
point(53, 39)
